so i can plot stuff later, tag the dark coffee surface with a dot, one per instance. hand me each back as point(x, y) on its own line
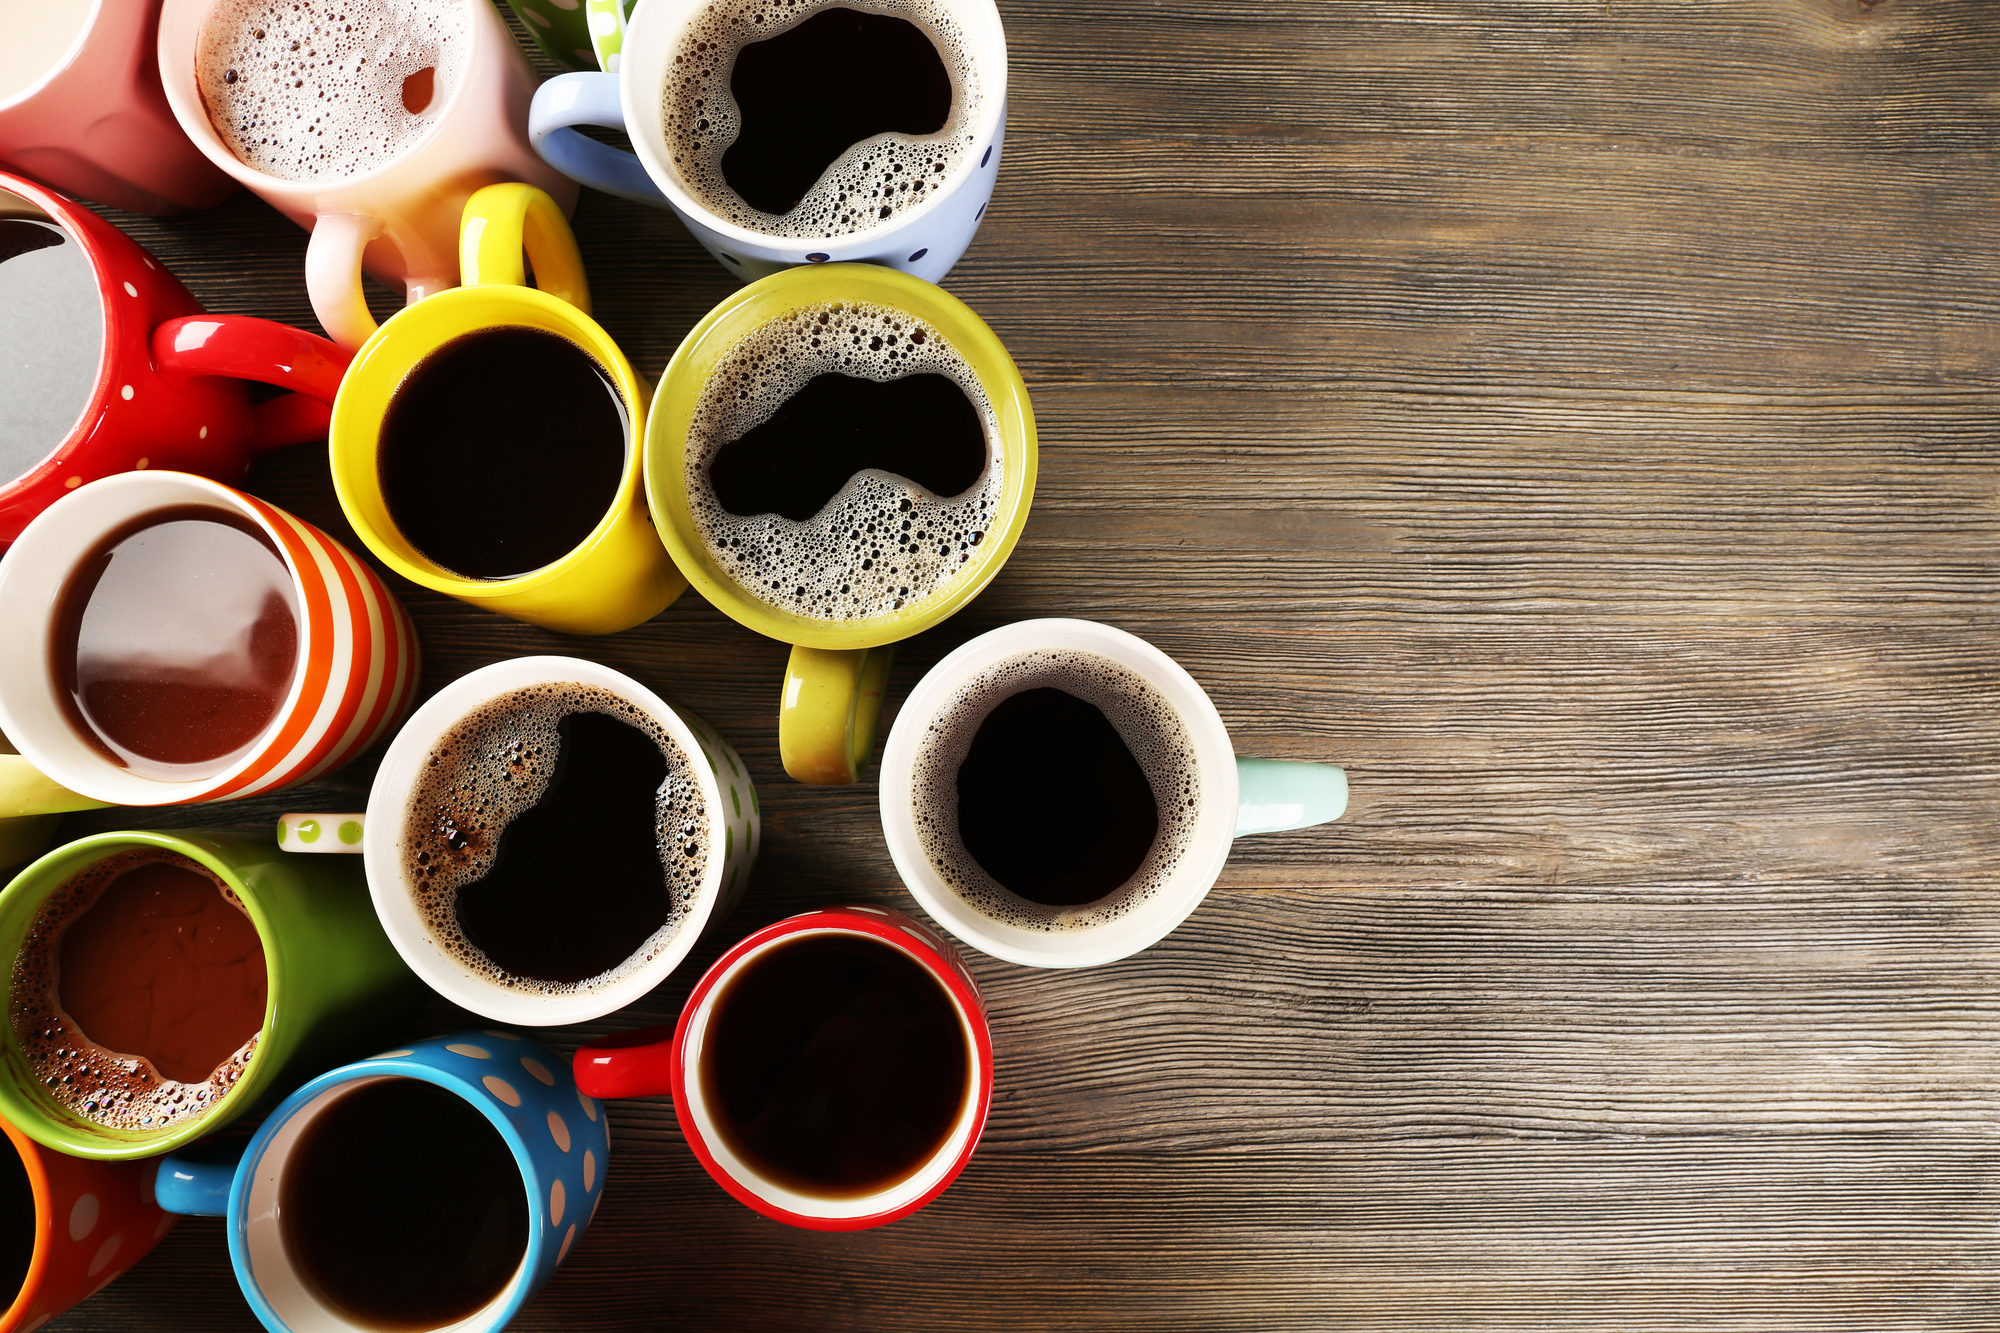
point(17, 1223)
point(51, 339)
point(175, 641)
point(501, 451)
point(834, 1064)
point(1051, 802)
point(809, 94)
point(576, 885)
point(402, 1206)
point(920, 427)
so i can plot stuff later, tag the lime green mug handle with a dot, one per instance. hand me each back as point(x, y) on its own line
point(25, 790)
point(829, 709)
point(1277, 794)
point(320, 833)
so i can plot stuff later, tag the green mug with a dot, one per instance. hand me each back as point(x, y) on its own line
point(335, 987)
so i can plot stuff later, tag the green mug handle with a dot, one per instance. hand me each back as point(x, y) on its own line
point(1277, 794)
point(827, 714)
point(321, 833)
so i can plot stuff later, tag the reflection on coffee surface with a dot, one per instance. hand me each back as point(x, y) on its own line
point(327, 90)
point(139, 992)
point(803, 119)
point(501, 451)
point(884, 539)
point(555, 839)
point(834, 1064)
point(50, 340)
point(1056, 790)
point(175, 641)
point(402, 1207)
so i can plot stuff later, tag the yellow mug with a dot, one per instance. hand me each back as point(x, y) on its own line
point(832, 696)
point(619, 575)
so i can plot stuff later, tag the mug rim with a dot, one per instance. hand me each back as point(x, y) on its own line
point(897, 932)
point(388, 1065)
point(647, 145)
point(98, 9)
point(381, 837)
point(95, 776)
point(1169, 905)
point(61, 1129)
point(752, 307)
point(354, 435)
point(68, 215)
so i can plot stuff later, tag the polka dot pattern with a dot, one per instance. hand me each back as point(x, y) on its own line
point(105, 1254)
point(538, 1070)
point(559, 1131)
point(469, 1051)
point(83, 1216)
point(502, 1089)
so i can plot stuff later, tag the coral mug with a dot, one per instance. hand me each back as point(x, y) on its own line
point(169, 388)
point(557, 1139)
point(619, 575)
point(85, 1223)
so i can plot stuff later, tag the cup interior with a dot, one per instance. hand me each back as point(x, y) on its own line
point(757, 1187)
point(265, 1261)
point(444, 969)
point(63, 348)
point(708, 350)
point(23, 1099)
point(23, 1215)
point(1037, 936)
point(39, 566)
point(652, 39)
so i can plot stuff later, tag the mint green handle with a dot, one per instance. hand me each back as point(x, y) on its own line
point(1276, 794)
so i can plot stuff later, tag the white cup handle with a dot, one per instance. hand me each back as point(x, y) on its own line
point(320, 833)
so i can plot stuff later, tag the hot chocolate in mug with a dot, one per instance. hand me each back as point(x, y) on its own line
point(1061, 793)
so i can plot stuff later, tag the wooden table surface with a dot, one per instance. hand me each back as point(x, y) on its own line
point(1580, 419)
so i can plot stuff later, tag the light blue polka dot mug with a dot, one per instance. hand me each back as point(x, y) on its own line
point(557, 1137)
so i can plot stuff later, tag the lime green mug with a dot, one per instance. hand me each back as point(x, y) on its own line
point(335, 987)
point(814, 583)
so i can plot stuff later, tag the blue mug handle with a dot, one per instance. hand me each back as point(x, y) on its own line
point(195, 1189)
point(569, 100)
point(1277, 794)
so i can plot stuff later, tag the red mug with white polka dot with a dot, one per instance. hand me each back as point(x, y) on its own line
point(169, 389)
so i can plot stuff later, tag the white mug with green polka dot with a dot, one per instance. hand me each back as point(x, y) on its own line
point(721, 786)
point(576, 34)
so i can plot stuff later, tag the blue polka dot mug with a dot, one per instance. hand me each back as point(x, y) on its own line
point(911, 201)
point(556, 1138)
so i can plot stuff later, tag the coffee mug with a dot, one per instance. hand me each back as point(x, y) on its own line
point(399, 221)
point(832, 693)
point(355, 674)
point(333, 983)
point(81, 108)
point(648, 1063)
point(557, 1138)
point(925, 239)
point(1212, 798)
point(85, 1223)
point(566, 30)
point(620, 575)
point(727, 799)
point(169, 390)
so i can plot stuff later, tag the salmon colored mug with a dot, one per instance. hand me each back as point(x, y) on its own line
point(169, 390)
point(90, 1221)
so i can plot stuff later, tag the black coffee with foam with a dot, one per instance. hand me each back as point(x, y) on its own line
point(806, 118)
point(1056, 790)
point(17, 1223)
point(51, 339)
point(501, 451)
point(556, 838)
point(402, 1207)
point(834, 1064)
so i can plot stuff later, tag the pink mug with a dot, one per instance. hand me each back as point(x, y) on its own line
point(81, 108)
point(398, 221)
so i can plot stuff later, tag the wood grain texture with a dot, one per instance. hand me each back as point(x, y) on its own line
point(1580, 418)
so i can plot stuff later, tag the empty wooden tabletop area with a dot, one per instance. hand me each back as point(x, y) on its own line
point(1580, 419)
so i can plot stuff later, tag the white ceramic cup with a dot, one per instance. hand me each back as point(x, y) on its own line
point(926, 240)
point(399, 221)
point(726, 792)
point(1233, 797)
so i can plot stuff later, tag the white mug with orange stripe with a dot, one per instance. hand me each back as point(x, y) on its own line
point(184, 703)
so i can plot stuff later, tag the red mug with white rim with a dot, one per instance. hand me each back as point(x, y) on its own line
point(169, 389)
point(647, 1063)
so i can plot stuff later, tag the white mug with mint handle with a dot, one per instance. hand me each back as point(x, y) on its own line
point(927, 240)
point(1234, 797)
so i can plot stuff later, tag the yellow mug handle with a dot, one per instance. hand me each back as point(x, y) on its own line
point(501, 224)
point(24, 791)
point(828, 712)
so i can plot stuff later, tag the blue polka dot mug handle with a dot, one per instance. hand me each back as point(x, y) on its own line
point(556, 1136)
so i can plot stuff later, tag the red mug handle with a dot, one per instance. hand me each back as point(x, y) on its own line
point(629, 1064)
point(245, 348)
